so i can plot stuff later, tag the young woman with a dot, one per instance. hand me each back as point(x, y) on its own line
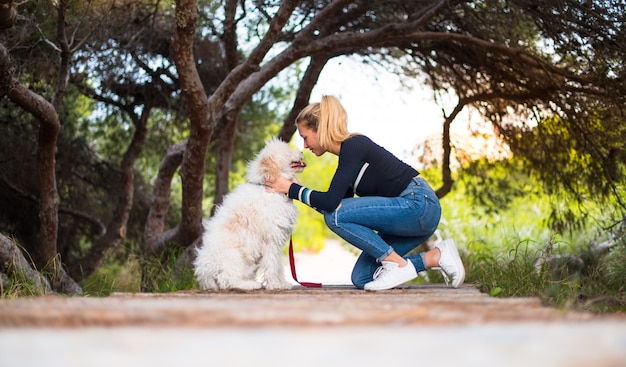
point(375, 202)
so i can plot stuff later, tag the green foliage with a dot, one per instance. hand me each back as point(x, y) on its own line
point(505, 274)
point(310, 232)
point(467, 221)
point(131, 272)
point(577, 163)
point(494, 185)
point(571, 280)
point(259, 121)
point(114, 275)
point(511, 248)
point(168, 273)
point(502, 200)
point(602, 286)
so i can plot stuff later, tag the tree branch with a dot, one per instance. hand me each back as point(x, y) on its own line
point(154, 238)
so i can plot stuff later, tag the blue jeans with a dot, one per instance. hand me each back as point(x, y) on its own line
point(379, 225)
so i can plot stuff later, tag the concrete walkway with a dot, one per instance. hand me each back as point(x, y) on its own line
point(333, 326)
point(338, 325)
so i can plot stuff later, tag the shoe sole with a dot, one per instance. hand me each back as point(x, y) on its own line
point(451, 246)
point(387, 288)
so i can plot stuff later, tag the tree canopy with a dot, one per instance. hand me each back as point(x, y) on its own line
point(95, 90)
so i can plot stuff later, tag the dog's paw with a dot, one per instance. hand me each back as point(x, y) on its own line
point(278, 285)
point(246, 285)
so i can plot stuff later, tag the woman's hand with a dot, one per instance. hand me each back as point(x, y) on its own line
point(280, 185)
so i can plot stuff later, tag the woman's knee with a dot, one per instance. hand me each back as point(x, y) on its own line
point(363, 270)
point(330, 219)
point(359, 279)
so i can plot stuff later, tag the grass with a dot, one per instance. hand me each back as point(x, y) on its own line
point(155, 274)
point(578, 281)
point(17, 285)
point(114, 276)
point(171, 277)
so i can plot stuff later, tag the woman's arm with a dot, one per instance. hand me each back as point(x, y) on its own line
point(353, 152)
point(281, 185)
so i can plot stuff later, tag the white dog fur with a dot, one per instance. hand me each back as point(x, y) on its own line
point(243, 240)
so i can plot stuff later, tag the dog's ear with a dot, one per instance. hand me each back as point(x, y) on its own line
point(269, 169)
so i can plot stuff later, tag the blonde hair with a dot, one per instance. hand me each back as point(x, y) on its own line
point(328, 119)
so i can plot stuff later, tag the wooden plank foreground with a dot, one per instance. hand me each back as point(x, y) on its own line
point(332, 305)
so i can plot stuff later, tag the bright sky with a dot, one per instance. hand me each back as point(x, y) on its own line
point(379, 106)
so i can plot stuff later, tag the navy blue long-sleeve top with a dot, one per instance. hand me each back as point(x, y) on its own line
point(365, 169)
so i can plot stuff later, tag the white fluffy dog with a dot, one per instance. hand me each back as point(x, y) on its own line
point(245, 236)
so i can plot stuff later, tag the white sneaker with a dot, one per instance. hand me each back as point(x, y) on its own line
point(450, 262)
point(390, 275)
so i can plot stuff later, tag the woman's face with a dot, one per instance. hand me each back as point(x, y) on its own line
point(310, 139)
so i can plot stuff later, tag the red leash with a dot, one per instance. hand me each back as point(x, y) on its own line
point(293, 270)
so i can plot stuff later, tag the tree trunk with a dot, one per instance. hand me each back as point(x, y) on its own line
point(116, 229)
point(201, 123)
point(48, 200)
point(223, 160)
point(203, 112)
point(446, 171)
point(45, 256)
